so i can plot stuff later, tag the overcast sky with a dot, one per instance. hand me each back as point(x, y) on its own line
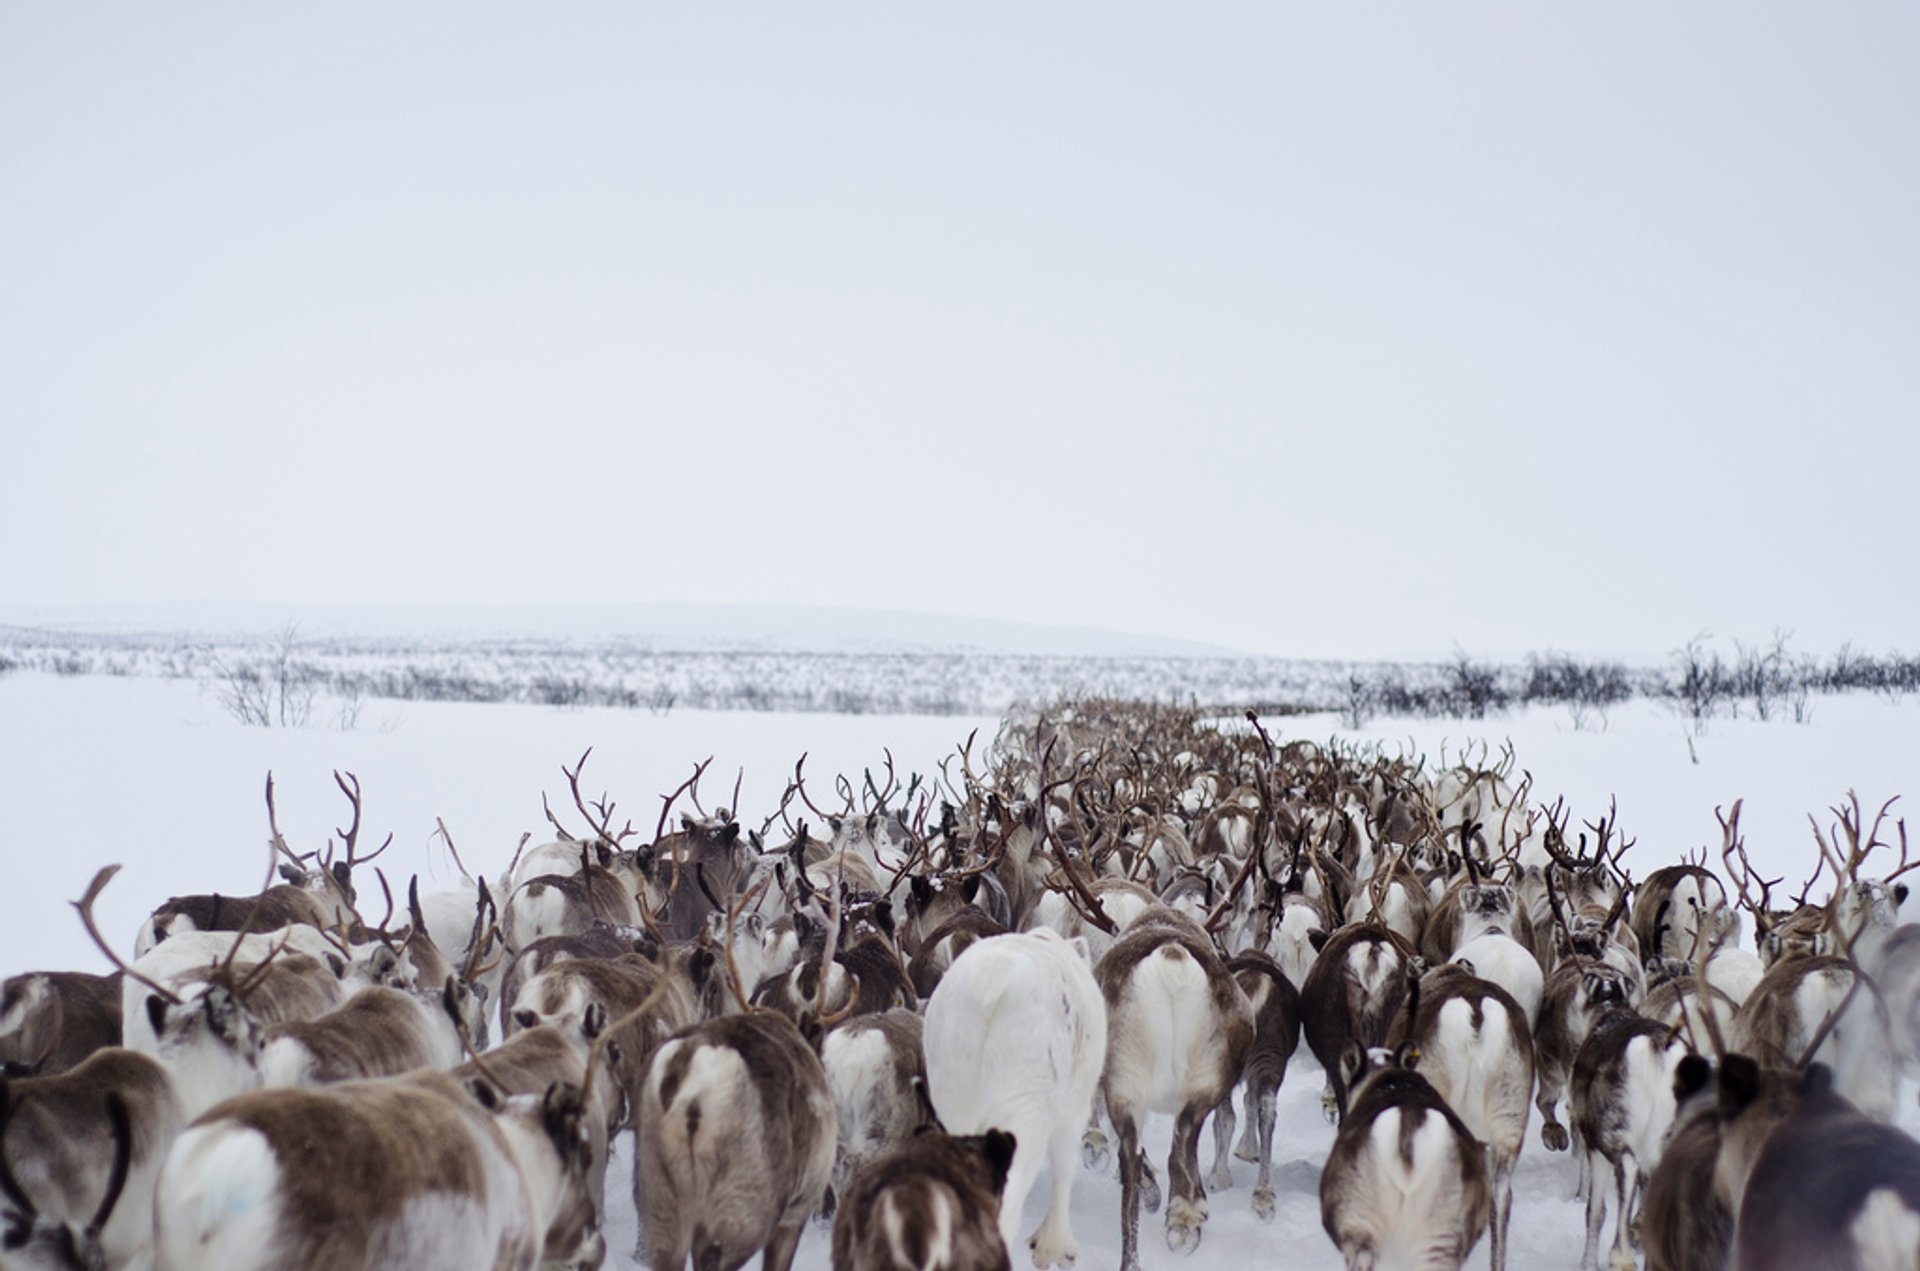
point(1323, 330)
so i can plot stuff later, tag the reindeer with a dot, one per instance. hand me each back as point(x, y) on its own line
point(1804, 999)
point(1015, 1039)
point(378, 1032)
point(735, 1143)
point(1684, 1224)
point(1475, 1049)
point(877, 1072)
point(1357, 988)
point(52, 1020)
point(1818, 1183)
point(318, 891)
point(1406, 1182)
point(567, 904)
point(1179, 1029)
point(1276, 1034)
point(69, 1146)
point(412, 1171)
point(646, 1002)
point(930, 1204)
point(1623, 1099)
point(1579, 994)
point(1864, 912)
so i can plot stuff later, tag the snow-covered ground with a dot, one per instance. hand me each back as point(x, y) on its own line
point(153, 773)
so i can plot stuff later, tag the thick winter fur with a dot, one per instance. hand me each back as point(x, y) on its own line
point(602, 940)
point(1830, 1190)
point(1578, 995)
point(1786, 1010)
point(931, 1203)
point(1406, 1183)
point(1673, 905)
point(569, 993)
point(1355, 992)
point(60, 1144)
point(321, 905)
point(51, 1020)
point(304, 983)
point(868, 967)
point(1684, 1225)
point(409, 1171)
point(378, 1032)
point(1276, 1034)
point(534, 1060)
point(1623, 1104)
point(698, 866)
point(946, 942)
point(735, 1144)
point(878, 1075)
point(1476, 1050)
point(1179, 1028)
point(567, 905)
point(1016, 1036)
point(1499, 958)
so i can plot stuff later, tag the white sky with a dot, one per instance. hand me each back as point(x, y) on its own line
point(1326, 330)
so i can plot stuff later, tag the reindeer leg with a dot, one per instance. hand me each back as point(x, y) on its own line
point(1596, 1218)
point(1149, 1186)
point(1501, 1173)
point(1626, 1180)
point(1187, 1210)
point(1248, 1148)
point(1095, 1149)
point(1127, 1131)
point(1547, 1099)
point(778, 1255)
point(1221, 1177)
point(1053, 1244)
point(1263, 1198)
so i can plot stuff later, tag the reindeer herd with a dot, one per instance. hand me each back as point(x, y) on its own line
point(906, 1010)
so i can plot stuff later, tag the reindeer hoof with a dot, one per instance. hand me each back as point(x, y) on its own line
point(1184, 1218)
point(1554, 1136)
point(1051, 1253)
point(1221, 1179)
point(1095, 1151)
point(1248, 1152)
point(1264, 1204)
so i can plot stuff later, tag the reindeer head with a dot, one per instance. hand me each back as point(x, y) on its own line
point(34, 1240)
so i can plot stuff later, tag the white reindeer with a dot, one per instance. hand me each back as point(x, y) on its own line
point(1016, 1036)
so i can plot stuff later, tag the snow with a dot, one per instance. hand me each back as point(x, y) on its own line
point(152, 773)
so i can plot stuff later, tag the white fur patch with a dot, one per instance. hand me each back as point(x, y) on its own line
point(1885, 1234)
point(216, 1204)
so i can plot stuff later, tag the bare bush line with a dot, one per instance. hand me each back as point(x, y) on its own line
point(277, 682)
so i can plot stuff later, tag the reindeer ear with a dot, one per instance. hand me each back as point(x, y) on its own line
point(1318, 939)
point(343, 876)
point(756, 926)
point(1691, 1077)
point(881, 915)
point(833, 823)
point(919, 894)
point(1816, 1080)
point(338, 967)
point(700, 968)
point(593, 1021)
point(157, 1012)
point(560, 1113)
point(1739, 1085)
point(970, 888)
point(1899, 894)
point(997, 1146)
point(1353, 1063)
point(483, 1093)
point(1408, 1056)
point(291, 873)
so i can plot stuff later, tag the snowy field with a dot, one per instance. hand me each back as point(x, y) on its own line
point(153, 773)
